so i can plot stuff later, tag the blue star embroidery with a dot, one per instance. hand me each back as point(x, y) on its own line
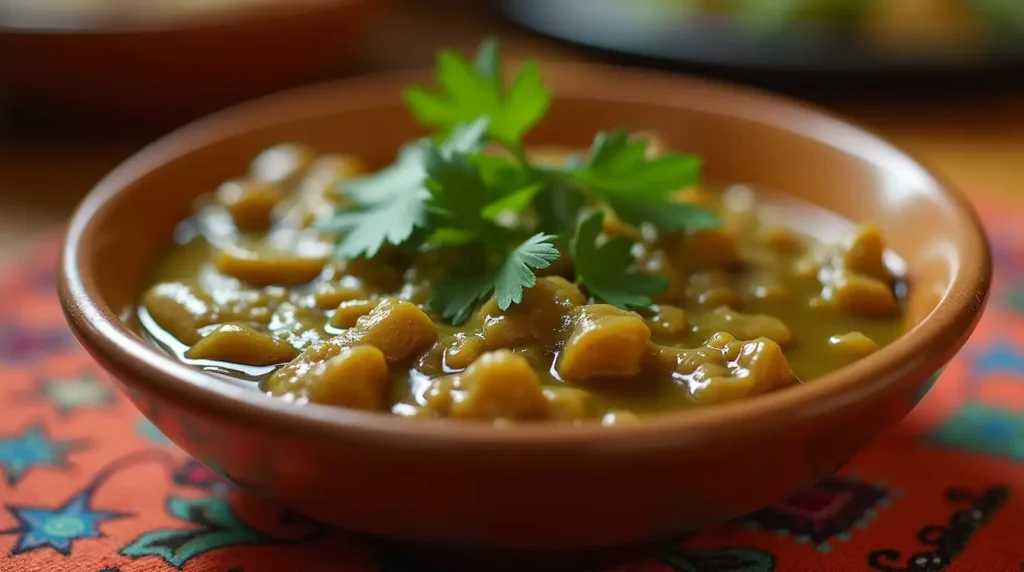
point(59, 528)
point(998, 358)
point(32, 448)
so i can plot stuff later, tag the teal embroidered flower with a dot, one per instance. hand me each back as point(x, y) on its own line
point(982, 429)
point(215, 526)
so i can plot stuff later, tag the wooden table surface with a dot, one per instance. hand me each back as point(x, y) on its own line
point(977, 139)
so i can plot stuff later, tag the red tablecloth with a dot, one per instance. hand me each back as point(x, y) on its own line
point(87, 484)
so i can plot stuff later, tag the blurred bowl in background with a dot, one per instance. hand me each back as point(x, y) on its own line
point(165, 61)
point(857, 38)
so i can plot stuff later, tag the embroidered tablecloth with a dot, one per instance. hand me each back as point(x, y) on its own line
point(87, 484)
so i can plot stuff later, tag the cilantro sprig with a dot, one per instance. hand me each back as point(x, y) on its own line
point(466, 208)
point(471, 91)
point(506, 217)
point(605, 267)
point(639, 188)
point(455, 296)
point(388, 206)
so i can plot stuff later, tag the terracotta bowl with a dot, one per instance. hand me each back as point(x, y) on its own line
point(111, 71)
point(540, 487)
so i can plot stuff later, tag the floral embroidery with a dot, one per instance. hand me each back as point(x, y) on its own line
point(217, 526)
point(195, 474)
point(983, 429)
point(945, 542)
point(829, 509)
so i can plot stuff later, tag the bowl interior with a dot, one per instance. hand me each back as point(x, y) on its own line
point(744, 137)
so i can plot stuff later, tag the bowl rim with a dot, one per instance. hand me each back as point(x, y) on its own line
point(935, 339)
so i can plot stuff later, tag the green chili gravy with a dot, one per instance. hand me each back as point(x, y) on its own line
point(252, 291)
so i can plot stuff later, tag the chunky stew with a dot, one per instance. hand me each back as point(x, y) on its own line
point(478, 278)
point(253, 291)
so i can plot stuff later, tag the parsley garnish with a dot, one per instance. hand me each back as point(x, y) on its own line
point(501, 214)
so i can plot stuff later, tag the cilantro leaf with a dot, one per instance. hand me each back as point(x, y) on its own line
point(516, 273)
point(451, 236)
point(391, 204)
point(641, 189)
point(526, 102)
point(667, 216)
point(619, 165)
point(468, 92)
point(407, 172)
point(459, 196)
point(369, 226)
point(502, 172)
point(488, 60)
point(401, 177)
point(466, 137)
point(514, 202)
point(455, 185)
point(558, 205)
point(604, 268)
point(550, 191)
point(455, 296)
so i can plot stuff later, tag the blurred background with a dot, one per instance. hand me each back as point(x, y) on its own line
point(84, 83)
